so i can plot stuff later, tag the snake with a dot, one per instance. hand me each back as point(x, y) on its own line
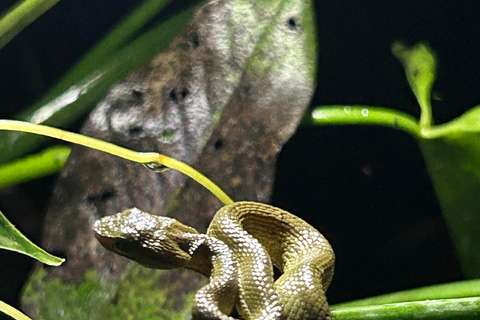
point(243, 243)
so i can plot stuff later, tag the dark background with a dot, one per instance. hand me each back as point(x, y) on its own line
point(365, 188)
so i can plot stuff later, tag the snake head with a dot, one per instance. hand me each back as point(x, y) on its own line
point(153, 241)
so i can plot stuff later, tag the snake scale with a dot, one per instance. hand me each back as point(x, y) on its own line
point(243, 242)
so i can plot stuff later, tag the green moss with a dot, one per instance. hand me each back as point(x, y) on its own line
point(139, 297)
point(136, 296)
point(52, 299)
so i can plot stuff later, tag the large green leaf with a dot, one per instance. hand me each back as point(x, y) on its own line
point(452, 154)
point(451, 150)
point(14, 240)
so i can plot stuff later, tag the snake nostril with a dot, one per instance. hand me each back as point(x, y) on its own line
point(293, 23)
point(218, 144)
point(195, 40)
point(184, 93)
point(276, 273)
point(173, 96)
point(107, 194)
point(135, 130)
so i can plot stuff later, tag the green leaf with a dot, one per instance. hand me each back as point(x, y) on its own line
point(452, 154)
point(80, 90)
point(420, 67)
point(20, 16)
point(13, 240)
point(47, 162)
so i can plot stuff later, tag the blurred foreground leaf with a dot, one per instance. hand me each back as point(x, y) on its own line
point(88, 82)
point(20, 16)
point(451, 150)
point(35, 166)
point(13, 240)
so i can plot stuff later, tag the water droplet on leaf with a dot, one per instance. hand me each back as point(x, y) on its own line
point(155, 166)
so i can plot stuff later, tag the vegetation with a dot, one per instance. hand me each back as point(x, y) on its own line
point(451, 151)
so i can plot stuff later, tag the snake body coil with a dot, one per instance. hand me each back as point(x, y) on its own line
point(242, 242)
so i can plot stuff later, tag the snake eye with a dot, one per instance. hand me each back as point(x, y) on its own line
point(125, 246)
point(185, 246)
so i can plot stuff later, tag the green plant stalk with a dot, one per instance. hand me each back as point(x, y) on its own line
point(12, 312)
point(145, 158)
point(362, 115)
point(49, 161)
point(441, 309)
point(454, 290)
point(20, 16)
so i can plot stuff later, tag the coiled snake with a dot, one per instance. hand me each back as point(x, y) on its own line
point(242, 242)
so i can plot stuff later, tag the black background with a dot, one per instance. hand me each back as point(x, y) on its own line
point(365, 188)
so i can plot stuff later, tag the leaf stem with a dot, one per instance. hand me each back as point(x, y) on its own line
point(12, 312)
point(363, 115)
point(145, 158)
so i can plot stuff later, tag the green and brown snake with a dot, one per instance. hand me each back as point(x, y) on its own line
point(243, 242)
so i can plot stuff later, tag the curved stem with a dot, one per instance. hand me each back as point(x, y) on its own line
point(145, 158)
point(12, 312)
point(195, 175)
point(363, 115)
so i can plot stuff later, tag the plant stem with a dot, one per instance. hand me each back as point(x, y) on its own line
point(145, 158)
point(12, 312)
point(442, 309)
point(454, 290)
point(363, 115)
